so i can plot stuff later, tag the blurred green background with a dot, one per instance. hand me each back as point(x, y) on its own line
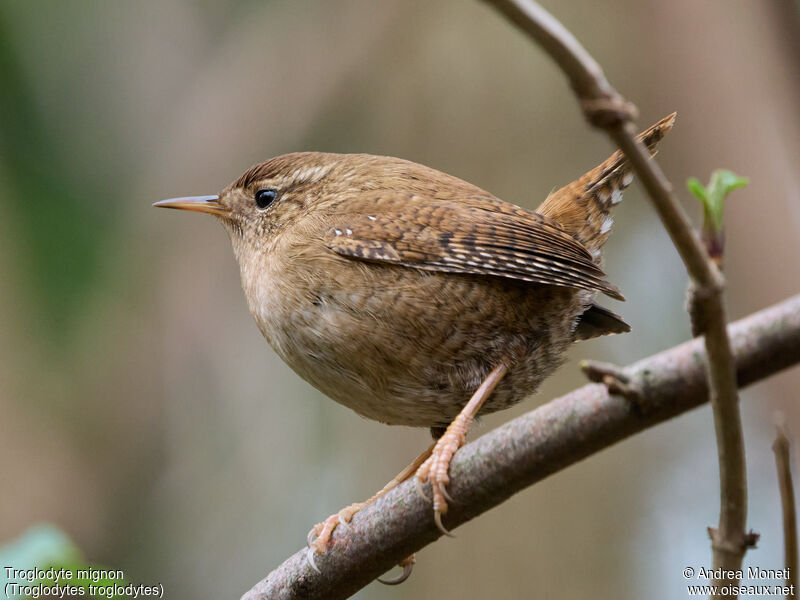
point(141, 411)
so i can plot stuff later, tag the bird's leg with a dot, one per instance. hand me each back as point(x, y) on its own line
point(430, 466)
point(323, 531)
point(435, 468)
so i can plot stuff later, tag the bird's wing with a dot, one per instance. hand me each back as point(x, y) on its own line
point(482, 236)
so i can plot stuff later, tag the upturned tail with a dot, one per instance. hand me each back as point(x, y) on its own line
point(583, 207)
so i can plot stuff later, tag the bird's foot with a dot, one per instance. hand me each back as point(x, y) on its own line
point(435, 469)
point(320, 534)
point(319, 537)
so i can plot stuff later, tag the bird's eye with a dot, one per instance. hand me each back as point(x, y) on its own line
point(265, 198)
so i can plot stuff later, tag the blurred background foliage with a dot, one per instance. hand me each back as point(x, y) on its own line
point(141, 410)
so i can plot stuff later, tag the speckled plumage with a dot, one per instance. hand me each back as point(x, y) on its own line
point(395, 289)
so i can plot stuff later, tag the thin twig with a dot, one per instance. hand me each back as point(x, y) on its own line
point(615, 379)
point(604, 107)
point(527, 449)
point(782, 462)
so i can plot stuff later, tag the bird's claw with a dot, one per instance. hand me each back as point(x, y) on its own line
point(310, 558)
point(444, 493)
point(408, 566)
point(435, 471)
point(320, 535)
point(313, 533)
point(437, 517)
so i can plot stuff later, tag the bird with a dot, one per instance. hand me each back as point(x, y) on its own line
point(414, 297)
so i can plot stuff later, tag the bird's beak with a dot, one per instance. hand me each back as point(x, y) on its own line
point(205, 204)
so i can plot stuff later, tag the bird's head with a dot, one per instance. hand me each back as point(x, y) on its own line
point(269, 196)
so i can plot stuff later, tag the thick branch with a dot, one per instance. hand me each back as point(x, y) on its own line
point(605, 108)
point(504, 461)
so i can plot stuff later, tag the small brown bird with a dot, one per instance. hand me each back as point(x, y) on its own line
point(413, 297)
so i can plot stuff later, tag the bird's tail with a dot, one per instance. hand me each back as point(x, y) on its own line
point(583, 208)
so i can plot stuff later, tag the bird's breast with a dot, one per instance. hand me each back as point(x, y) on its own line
point(405, 346)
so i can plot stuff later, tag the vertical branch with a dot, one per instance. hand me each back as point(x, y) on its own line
point(605, 108)
point(781, 449)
